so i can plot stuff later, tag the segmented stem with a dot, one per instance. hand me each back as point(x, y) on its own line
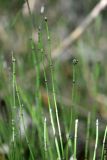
point(53, 86)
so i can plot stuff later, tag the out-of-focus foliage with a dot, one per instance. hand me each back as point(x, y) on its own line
point(11, 5)
point(63, 16)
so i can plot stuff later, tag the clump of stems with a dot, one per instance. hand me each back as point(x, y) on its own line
point(16, 90)
point(49, 105)
point(22, 119)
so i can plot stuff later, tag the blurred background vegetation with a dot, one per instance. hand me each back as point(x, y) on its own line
point(91, 71)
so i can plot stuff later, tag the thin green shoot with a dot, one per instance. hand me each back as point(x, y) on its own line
point(87, 136)
point(14, 104)
point(72, 114)
point(51, 116)
point(22, 118)
point(96, 142)
point(37, 70)
point(104, 141)
point(45, 139)
point(53, 87)
point(15, 89)
point(49, 103)
point(75, 138)
point(75, 61)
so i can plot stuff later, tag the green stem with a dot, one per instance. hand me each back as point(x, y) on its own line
point(87, 136)
point(22, 118)
point(14, 105)
point(104, 140)
point(75, 138)
point(53, 87)
point(96, 142)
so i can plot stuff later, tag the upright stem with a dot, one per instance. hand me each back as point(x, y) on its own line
point(75, 138)
point(96, 142)
point(104, 143)
point(53, 86)
point(14, 103)
point(87, 136)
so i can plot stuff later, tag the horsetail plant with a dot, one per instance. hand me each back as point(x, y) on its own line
point(49, 103)
point(50, 110)
point(22, 119)
point(53, 86)
point(51, 115)
point(75, 61)
point(14, 105)
point(37, 70)
point(15, 90)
